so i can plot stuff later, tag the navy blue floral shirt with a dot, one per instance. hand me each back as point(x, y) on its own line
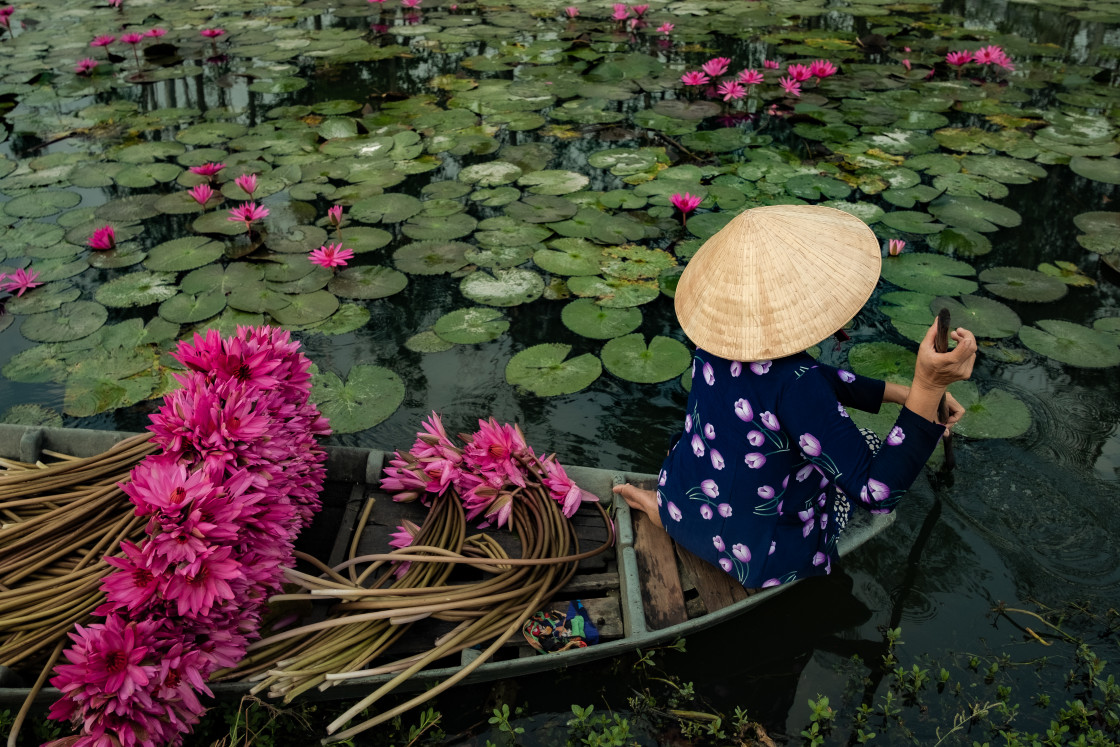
point(751, 482)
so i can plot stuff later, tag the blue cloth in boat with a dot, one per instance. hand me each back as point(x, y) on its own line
point(750, 485)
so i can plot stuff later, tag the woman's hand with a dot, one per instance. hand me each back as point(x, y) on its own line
point(934, 371)
point(955, 412)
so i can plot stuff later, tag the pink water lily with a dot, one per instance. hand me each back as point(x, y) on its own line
point(103, 238)
point(102, 41)
point(992, 55)
point(770, 65)
point(790, 86)
point(665, 28)
point(334, 215)
point(247, 183)
point(332, 255)
point(750, 77)
point(639, 10)
point(621, 12)
point(724, 510)
point(959, 58)
point(247, 212)
point(895, 246)
point(731, 90)
point(716, 66)
point(821, 69)
point(744, 412)
point(741, 552)
point(800, 73)
point(215, 33)
point(155, 33)
point(201, 193)
point(572, 11)
point(207, 170)
point(19, 281)
point(410, 3)
point(132, 39)
point(710, 488)
point(686, 203)
point(695, 78)
point(86, 66)
point(809, 444)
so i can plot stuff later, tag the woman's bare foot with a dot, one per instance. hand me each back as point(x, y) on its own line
point(643, 500)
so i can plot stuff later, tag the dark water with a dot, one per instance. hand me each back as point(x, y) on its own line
point(1031, 518)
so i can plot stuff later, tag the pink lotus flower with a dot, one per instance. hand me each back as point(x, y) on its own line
point(799, 72)
point(155, 33)
point(906, 63)
point(686, 203)
point(731, 90)
point(248, 212)
point(959, 58)
point(215, 33)
point(572, 11)
point(563, 490)
point(695, 78)
point(115, 4)
point(201, 193)
point(103, 238)
point(895, 247)
point(247, 183)
point(716, 66)
point(665, 28)
point(770, 65)
point(993, 55)
point(102, 41)
point(334, 215)
point(6, 16)
point(621, 12)
point(207, 169)
point(410, 3)
point(132, 38)
point(404, 537)
point(791, 86)
point(639, 10)
point(86, 66)
point(750, 77)
point(821, 69)
point(332, 255)
point(19, 281)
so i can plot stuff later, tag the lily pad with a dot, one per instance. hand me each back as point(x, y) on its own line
point(553, 182)
point(32, 414)
point(89, 395)
point(137, 289)
point(546, 371)
point(471, 325)
point(306, 308)
point(368, 282)
point(961, 242)
point(570, 257)
point(71, 321)
point(929, 273)
point(186, 308)
point(490, 174)
point(298, 240)
point(984, 317)
point(541, 209)
point(499, 256)
point(427, 342)
point(369, 396)
point(348, 318)
point(41, 203)
point(1021, 284)
point(46, 297)
point(502, 288)
point(391, 207)
point(975, 213)
point(1071, 343)
point(996, 414)
point(187, 253)
point(628, 357)
point(1104, 170)
point(883, 360)
point(429, 228)
point(587, 318)
point(215, 277)
point(614, 293)
point(430, 257)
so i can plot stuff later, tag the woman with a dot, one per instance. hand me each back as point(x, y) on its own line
point(759, 481)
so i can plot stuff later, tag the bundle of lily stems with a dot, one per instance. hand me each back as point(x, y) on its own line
point(495, 477)
point(57, 522)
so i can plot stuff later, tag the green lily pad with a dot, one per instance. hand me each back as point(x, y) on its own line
point(36, 365)
point(46, 297)
point(546, 371)
point(622, 161)
point(137, 289)
point(368, 282)
point(553, 182)
point(614, 293)
point(390, 207)
point(1071, 343)
point(503, 257)
point(505, 231)
point(1004, 169)
point(349, 318)
point(431, 257)
point(32, 414)
point(306, 308)
point(490, 174)
point(929, 273)
point(883, 360)
point(298, 240)
point(961, 242)
point(186, 308)
point(429, 228)
point(628, 357)
point(816, 187)
point(369, 396)
point(983, 317)
point(1021, 284)
point(427, 342)
point(215, 277)
point(362, 239)
point(635, 262)
point(71, 321)
point(89, 395)
point(1067, 272)
point(502, 288)
point(909, 312)
point(218, 222)
point(975, 213)
point(1104, 170)
point(570, 257)
point(41, 203)
point(587, 318)
point(911, 221)
point(541, 209)
point(996, 414)
point(129, 209)
point(256, 298)
point(496, 197)
point(706, 225)
point(471, 325)
point(187, 253)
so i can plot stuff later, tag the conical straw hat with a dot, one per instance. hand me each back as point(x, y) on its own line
point(776, 280)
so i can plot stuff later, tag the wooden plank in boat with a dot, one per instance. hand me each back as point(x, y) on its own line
point(662, 596)
point(715, 588)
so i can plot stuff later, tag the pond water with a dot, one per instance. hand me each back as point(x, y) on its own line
point(544, 149)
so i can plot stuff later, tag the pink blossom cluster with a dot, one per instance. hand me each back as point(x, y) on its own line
point(487, 471)
point(739, 85)
point(238, 477)
point(989, 55)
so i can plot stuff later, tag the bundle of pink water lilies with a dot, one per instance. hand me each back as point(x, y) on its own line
point(238, 477)
point(740, 85)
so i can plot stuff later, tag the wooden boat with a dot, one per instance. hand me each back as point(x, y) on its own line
point(644, 592)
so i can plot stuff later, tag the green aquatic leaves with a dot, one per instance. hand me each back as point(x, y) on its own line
point(368, 396)
point(546, 371)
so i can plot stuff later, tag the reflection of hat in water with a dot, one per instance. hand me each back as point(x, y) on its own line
point(776, 280)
